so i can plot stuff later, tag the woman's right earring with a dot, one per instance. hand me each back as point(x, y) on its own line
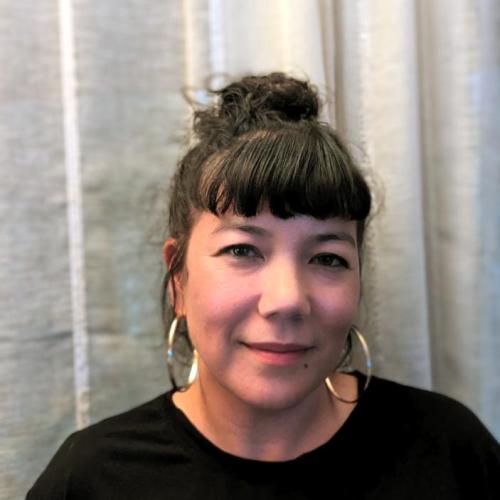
point(368, 359)
point(193, 371)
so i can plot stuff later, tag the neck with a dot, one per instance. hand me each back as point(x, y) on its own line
point(261, 434)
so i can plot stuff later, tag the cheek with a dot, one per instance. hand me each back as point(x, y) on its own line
point(338, 306)
point(213, 302)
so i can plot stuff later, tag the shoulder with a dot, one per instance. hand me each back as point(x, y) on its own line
point(101, 448)
point(422, 442)
point(135, 426)
point(428, 410)
point(434, 425)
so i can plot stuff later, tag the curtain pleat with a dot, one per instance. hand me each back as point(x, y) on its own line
point(487, 92)
point(413, 86)
point(451, 168)
point(74, 212)
point(379, 114)
point(131, 119)
point(36, 349)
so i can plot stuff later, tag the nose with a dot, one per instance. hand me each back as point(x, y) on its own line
point(283, 293)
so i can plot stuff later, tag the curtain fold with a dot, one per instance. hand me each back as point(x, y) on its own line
point(380, 114)
point(451, 168)
point(414, 87)
point(487, 90)
point(36, 370)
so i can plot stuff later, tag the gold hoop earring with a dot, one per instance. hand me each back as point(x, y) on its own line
point(368, 359)
point(193, 371)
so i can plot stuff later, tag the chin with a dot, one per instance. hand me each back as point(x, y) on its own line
point(275, 397)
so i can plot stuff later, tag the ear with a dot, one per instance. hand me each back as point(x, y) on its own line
point(170, 249)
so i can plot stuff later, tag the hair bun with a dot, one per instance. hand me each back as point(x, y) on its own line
point(271, 96)
point(255, 103)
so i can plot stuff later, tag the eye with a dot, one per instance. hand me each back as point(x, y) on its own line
point(241, 251)
point(330, 260)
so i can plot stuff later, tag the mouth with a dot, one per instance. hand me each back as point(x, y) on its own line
point(277, 353)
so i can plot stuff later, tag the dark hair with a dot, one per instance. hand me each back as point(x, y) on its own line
point(262, 143)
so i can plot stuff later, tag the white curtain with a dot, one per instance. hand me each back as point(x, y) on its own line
point(92, 121)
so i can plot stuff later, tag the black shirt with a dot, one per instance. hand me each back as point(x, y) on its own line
point(398, 443)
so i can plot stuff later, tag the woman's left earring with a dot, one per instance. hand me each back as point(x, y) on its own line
point(193, 371)
point(368, 359)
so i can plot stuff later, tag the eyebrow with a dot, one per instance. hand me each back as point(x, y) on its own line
point(337, 236)
point(260, 231)
point(246, 228)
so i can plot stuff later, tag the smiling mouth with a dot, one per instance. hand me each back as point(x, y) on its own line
point(277, 347)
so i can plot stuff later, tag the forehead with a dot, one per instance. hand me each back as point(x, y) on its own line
point(267, 225)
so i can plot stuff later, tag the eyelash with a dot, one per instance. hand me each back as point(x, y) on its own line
point(230, 250)
point(342, 262)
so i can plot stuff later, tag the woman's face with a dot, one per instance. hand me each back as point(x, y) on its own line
point(268, 302)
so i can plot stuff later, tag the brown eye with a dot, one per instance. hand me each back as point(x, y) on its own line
point(330, 260)
point(241, 251)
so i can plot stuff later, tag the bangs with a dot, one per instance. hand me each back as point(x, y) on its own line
point(291, 170)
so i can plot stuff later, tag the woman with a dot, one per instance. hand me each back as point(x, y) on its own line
point(267, 217)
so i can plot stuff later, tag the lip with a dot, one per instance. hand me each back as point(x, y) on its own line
point(277, 347)
point(278, 354)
